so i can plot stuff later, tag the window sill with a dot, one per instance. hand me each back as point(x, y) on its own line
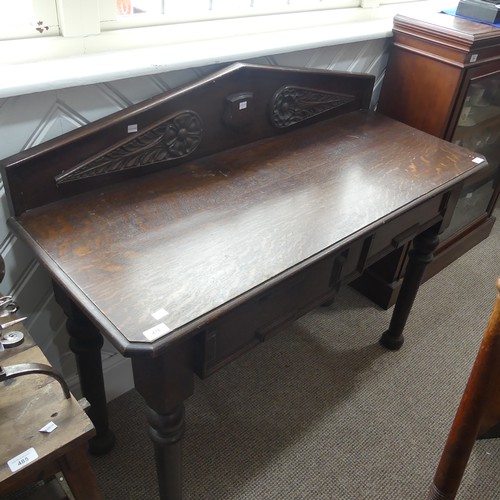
point(129, 53)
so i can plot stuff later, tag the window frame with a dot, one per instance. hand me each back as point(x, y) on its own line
point(81, 18)
point(50, 60)
point(43, 18)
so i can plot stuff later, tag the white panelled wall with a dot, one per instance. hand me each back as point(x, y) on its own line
point(28, 120)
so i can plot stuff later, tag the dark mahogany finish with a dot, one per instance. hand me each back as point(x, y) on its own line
point(434, 59)
point(191, 122)
point(426, 72)
point(242, 224)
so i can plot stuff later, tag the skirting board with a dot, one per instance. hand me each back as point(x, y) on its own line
point(118, 378)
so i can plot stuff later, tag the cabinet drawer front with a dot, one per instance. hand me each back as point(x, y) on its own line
point(402, 229)
point(250, 323)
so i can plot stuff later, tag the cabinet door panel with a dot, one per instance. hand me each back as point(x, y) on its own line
point(443, 77)
point(410, 93)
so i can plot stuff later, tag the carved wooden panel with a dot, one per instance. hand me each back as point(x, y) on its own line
point(176, 138)
point(292, 105)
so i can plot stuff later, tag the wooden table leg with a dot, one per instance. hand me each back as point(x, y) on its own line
point(79, 475)
point(86, 342)
point(164, 383)
point(166, 431)
point(420, 256)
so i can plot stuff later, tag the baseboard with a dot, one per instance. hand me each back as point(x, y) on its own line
point(118, 378)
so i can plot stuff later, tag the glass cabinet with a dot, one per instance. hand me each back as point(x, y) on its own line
point(443, 77)
point(478, 129)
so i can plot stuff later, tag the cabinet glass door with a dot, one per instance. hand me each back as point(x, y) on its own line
point(478, 129)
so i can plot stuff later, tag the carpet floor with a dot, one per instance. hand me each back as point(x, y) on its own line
point(321, 411)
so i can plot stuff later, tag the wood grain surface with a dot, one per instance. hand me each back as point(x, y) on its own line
point(195, 237)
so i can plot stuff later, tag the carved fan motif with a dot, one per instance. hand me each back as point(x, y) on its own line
point(293, 105)
point(176, 138)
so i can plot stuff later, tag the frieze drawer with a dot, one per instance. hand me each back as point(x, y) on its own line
point(405, 227)
point(250, 323)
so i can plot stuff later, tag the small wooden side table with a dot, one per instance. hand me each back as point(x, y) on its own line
point(28, 403)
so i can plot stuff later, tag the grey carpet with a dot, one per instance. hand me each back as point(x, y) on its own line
point(321, 411)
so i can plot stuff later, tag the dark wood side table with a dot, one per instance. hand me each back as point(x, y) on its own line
point(267, 189)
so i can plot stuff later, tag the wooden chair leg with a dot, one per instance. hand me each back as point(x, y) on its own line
point(79, 475)
point(478, 411)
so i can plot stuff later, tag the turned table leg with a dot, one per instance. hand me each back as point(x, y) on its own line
point(420, 256)
point(86, 342)
point(164, 383)
point(166, 431)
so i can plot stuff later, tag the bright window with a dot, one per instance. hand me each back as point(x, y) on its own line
point(53, 44)
point(70, 18)
point(198, 8)
point(41, 30)
point(132, 13)
point(134, 7)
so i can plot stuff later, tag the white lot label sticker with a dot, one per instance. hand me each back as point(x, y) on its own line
point(156, 332)
point(161, 313)
point(49, 428)
point(22, 460)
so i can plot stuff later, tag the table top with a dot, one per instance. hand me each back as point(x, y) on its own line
point(153, 258)
point(448, 26)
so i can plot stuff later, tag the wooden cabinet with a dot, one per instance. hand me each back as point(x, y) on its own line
point(443, 77)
